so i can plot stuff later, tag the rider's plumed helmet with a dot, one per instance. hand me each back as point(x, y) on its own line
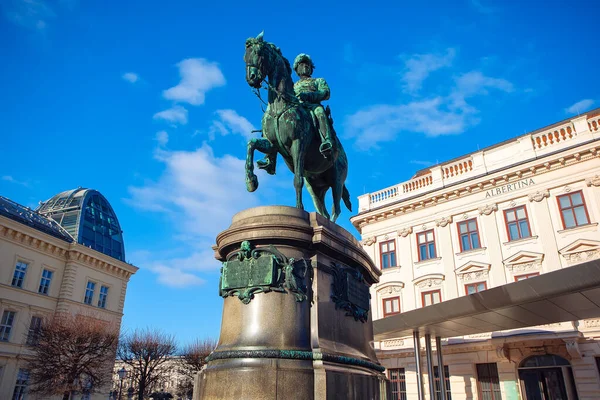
point(303, 58)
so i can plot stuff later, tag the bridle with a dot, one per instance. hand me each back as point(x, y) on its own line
point(291, 99)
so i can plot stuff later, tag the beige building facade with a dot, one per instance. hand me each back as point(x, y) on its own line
point(509, 212)
point(44, 269)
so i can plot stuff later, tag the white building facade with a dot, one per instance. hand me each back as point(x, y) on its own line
point(515, 210)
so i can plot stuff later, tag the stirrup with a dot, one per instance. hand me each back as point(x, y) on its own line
point(267, 165)
point(325, 147)
point(263, 164)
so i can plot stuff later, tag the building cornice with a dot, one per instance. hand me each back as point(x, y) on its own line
point(480, 184)
point(67, 252)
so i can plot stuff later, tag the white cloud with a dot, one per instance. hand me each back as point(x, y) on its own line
point(162, 138)
point(382, 123)
point(198, 76)
point(231, 122)
point(580, 106)
point(434, 116)
point(200, 192)
point(475, 83)
point(131, 77)
point(9, 178)
point(175, 115)
point(31, 14)
point(479, 6)
point(421, 162)
point(175, 277)
point(177, 272)
point(419, 66)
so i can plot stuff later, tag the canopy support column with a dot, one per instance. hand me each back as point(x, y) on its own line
point(417, 342)
point(430, 366)
point(441, 369)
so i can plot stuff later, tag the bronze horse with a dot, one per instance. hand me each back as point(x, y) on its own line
point(289, 129)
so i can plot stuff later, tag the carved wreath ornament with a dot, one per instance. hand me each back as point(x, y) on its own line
point(262, 270)
point(350, 292)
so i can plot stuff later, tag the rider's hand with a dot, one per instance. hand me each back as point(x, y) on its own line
point(304, 96)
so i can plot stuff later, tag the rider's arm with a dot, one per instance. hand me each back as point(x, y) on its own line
point(323, 91)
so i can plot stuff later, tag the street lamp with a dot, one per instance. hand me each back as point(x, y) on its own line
point(122, 373)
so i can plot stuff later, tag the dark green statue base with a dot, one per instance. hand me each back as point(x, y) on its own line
point(296, 319)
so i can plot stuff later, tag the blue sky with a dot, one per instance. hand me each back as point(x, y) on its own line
point(146, 102)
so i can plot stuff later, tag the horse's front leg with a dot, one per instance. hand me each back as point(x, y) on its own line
point(297, 151)
point(262, 145)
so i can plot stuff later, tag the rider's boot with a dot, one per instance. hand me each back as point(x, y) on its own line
point(326, 145)
point(268, 163)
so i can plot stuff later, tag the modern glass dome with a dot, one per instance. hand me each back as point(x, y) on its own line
point(89, 219)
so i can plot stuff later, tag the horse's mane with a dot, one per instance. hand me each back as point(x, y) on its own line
point(274, 49)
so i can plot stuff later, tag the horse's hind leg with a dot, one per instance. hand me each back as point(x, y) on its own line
point(318, 196)
point(298, 158)
point(336, 191)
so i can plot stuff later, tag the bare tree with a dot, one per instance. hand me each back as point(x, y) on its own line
point(192, 359)
point(71, 354)
point(145, 352)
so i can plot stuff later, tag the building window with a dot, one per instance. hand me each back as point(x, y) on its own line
point(469, 235)
point(89, 292)
point(517, 223)
point(436, 375)
point(526, 276)
point(433, 297)
point(19, 275)
point(488, 381)
point(102, 297)
point(45, 281)
point(6, 324)
point(475, 287)
point(572, 210)
point(21, 384)
point(391, 306)
point(426, 244)
point(398, 383)
point(34, 330)
point(388, 254)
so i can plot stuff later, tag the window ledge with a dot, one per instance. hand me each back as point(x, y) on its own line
point(390, 269)
point(473, 251)
point(428, 261)
point(523, 240)
point(578, 228)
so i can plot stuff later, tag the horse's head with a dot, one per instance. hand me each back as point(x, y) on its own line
point(257, 59)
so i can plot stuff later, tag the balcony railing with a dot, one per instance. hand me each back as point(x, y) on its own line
point(552, 139)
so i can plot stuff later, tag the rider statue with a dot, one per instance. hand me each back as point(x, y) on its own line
point(311, 92)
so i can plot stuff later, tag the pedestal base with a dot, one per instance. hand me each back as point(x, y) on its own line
point(296, 321)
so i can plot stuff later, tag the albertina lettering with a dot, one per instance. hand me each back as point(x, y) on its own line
point(510, 187)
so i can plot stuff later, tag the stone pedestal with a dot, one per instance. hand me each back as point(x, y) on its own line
point(296, 319)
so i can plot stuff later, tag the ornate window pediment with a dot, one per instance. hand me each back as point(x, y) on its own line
point(524, 261)
point(581, 250)
point(429, 280)
point(473, 270)
point(390, 288)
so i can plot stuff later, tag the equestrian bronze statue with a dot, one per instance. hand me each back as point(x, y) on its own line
point(296, 126)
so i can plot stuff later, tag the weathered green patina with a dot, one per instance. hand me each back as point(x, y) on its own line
point(296, 126)
point(350, 292)
point(265, 269)
point(294, 355)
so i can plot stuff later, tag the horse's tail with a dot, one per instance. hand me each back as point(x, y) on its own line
point(346, 198)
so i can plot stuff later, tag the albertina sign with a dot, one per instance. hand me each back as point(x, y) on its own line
point(510, 187)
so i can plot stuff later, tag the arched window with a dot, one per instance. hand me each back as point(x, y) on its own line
point(547, 360)
point(547, 376)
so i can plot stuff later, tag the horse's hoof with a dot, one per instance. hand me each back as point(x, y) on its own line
point(251, 183)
